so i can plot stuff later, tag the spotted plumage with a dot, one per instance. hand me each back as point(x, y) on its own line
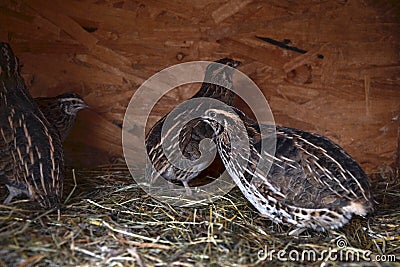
point(61, 111)
point(31, 155)
point(195, 131)
point(312, 182)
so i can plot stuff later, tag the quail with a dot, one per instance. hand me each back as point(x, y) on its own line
point(61, 111)
point(31, 160)
point(189, 138)
point(312, 182)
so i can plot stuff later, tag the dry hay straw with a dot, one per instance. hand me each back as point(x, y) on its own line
point(109, 221)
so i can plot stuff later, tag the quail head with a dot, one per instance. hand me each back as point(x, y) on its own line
point(312, 182)
point(31, 155)
point(219, 74)
point(61, 111)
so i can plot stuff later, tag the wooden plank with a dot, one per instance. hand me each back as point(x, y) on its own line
point(22, 26)
point(296, 111)
point(55, 70)
point(181, 10)
point(115, 19)
point(105, 49)
point(93, 141)
point(98, 132)
point(54, 13)
point(108, 99)
point(97, 63)
point(229, 9)
point(46, 47)
point(270, 57)
point(255, 26)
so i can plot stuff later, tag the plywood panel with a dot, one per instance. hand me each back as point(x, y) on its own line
point(105, 49)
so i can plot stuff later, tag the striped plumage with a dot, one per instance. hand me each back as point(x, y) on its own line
point(31, 155)
point(195, 131)
point(61, 111)
point(312, 183)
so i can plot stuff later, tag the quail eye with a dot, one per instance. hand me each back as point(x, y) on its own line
point(212, 114)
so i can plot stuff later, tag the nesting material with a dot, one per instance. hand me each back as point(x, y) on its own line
point(109, 220)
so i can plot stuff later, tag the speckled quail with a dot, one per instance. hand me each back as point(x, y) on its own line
point(31, 155)
point(61, 111)
point(196, 130)
point(312, 183)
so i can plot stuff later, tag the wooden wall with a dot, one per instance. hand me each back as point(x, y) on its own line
point(105, 49)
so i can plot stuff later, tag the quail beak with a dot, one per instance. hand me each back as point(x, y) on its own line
point(82, 105)
point(237, 64)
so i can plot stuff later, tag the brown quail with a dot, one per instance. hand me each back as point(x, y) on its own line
point(312, 183)
point(196, 130)
point(61, 111)
point(31, 155)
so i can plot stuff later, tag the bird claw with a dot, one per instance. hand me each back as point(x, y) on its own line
point(187, 188)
